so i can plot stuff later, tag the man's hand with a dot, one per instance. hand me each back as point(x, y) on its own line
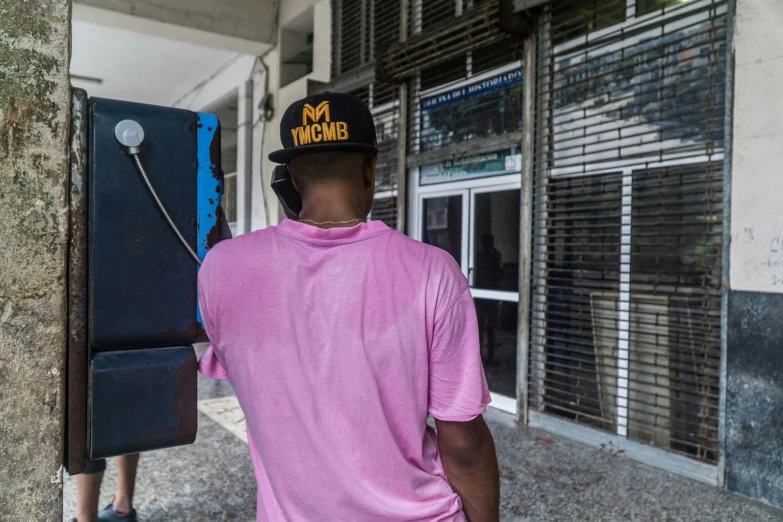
point(468, 454)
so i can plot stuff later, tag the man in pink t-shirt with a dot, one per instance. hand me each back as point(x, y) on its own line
point(340, 337)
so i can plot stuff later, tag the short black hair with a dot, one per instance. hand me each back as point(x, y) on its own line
point(328, 167)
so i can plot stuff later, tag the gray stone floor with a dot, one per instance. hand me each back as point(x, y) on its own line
point(212, 480)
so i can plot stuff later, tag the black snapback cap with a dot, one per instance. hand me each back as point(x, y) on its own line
point(325, 122)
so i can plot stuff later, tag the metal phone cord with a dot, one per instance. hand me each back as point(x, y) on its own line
point(162, 208)
point(131, 135)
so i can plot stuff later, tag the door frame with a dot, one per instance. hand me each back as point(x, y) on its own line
point(468, 189)
point(497, 295)
point(464, 246)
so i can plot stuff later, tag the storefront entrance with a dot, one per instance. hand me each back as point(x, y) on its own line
point(477, 222)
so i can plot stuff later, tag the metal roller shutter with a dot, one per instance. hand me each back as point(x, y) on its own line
point(360, 27)
point(476, 96)
point(385, 108)
point(627, 230)
point(466, 80)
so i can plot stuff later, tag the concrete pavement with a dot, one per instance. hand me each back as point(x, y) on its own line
point(543, 478)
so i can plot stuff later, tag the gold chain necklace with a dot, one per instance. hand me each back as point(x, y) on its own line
point(317, 223)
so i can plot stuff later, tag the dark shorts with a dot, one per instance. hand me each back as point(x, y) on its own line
point(95, 466)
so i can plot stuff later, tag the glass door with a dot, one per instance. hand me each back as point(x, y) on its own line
point(444, 223)
point(479, 227)
point(493, 273)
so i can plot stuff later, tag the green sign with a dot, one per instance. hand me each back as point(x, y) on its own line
point(469, 167)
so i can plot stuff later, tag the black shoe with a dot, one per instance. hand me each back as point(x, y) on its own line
point(109, 515)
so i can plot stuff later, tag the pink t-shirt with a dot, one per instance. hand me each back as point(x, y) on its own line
point(338, 344)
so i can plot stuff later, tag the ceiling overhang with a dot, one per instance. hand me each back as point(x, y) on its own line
point(242, 26)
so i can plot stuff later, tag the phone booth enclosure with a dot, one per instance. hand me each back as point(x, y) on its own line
point(142, 306)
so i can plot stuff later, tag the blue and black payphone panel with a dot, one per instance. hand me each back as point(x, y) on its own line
point(132, 367)
point(142, 280)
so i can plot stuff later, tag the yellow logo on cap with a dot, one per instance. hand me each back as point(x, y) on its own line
point(315, 114)
point(319, 131)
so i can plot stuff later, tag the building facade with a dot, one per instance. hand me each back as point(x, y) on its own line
point(580, 161)
point(582, 147)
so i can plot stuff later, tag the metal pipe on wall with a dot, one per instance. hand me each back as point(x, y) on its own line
point(526, 226)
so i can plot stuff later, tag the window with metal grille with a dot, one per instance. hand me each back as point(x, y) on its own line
point(383, 101)
point(574, 18)
point(443, 73)
point(385, 209)
point(476, 95)
point(626, 292)
point(434, 12)
point(644, 7)
point(363, 93)
point(489, 107)
point(428, 15)
point(359, 27)
point(387, 125)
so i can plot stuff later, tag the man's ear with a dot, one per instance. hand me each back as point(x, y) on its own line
point(369, 172)
point(293, 178)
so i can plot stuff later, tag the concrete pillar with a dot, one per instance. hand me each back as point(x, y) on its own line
point(753, 393)
point(244, 155)
point(262, 195)
point(34, 130)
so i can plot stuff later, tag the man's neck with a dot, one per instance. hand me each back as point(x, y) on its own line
point(330, 211)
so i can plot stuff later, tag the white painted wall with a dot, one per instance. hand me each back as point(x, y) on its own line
point(216, 87)
point(757, 153)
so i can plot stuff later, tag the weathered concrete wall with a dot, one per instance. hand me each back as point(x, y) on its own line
point(756, 220)
point(754, 350)
point(34, 128)
point(754, 425)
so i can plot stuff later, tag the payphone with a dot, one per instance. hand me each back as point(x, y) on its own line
point(146, 184)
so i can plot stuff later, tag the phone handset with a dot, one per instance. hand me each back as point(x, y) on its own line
point(286, 192)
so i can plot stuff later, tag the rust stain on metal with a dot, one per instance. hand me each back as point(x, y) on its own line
point(76, 362)
point(192, 331)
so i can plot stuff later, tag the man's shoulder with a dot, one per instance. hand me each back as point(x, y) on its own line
point(421, 249)
point(435, 262)
point(236, 249)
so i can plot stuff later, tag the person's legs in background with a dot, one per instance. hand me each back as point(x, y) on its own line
point(88, 490)
point(126, 483)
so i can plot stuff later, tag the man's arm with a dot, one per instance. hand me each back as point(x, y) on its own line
point(468, 454)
